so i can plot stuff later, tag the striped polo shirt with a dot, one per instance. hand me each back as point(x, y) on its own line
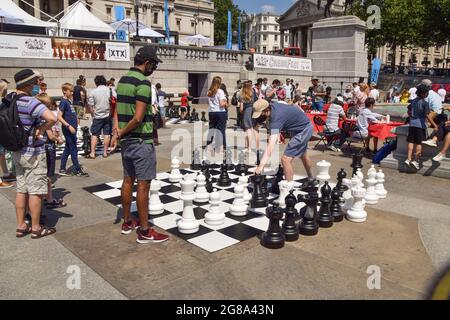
point(132, 87)
point(30, 113)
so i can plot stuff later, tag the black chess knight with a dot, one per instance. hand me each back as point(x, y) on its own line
point(308, 225)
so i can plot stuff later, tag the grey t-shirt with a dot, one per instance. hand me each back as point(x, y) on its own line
point(287, 118)
point(99, 100)
point(318, 89)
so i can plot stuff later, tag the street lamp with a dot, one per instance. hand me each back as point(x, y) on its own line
point(137, 4)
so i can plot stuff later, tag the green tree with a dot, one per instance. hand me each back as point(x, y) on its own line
point(221, 20)
point(436, 23)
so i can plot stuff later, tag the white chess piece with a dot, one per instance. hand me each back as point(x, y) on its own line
point(324, 175)
point(243, 180)
point(357, 212)
point(379, 187)
point(175, 175)
point(347, 195)
point(360, 176)
point(155, 207)
point(285, 186)
point(371, 169)
point(371, 195)
point(214, 216)
point(238, 208)
point(188, 224)
point(201, 194)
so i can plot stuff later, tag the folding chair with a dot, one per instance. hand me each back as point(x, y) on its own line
point(350, 128)
point(322, 134)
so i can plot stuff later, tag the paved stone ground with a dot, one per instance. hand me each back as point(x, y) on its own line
point(406, 235)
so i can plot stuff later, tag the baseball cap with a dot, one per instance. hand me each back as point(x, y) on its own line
point(314, 78)
point(148, 53)
point(339, 100)
point(26, 77)
point(427, 82)
point(258, 107)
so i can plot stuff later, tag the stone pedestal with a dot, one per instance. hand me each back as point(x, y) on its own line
point(338, 51)
point(430, 168)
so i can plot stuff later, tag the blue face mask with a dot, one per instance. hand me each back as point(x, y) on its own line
point(35, 90)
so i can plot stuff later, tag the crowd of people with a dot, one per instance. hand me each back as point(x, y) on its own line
point(125, 114)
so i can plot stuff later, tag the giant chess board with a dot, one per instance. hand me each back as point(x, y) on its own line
point(209, 238)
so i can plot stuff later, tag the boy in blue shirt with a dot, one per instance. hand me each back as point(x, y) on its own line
point(69, 122)
point(419, 113)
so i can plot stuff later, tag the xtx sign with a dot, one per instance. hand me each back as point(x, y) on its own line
point(116, 51)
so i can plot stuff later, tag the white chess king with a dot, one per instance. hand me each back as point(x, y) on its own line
point(175, 175)
point(188, 224)
point(156, 207)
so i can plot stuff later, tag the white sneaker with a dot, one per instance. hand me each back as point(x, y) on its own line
point(430, 143)
point(415, 165)
point(408, 163)
point(439, 157)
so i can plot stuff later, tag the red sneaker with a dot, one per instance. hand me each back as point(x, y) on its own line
point(129, 227)
point(150, 236)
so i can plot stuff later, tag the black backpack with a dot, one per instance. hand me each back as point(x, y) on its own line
point(234, 99)
point(13, 136)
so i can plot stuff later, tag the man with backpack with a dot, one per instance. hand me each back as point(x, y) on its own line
point(235, 102)
point(23, 123)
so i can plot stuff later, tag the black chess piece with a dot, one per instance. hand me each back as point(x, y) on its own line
point(258, 158)
point(204, 116)
point(264, 187)
point(289, 228)
point(196, 115)
point(241, 167)
point(224, 178)
point(278, 178)
point(340, 181)
point(308, 226)
point(356, 162)
point(196, 165)
point(259, 199)
point(228, 159)
point(325, 218)
point(86, 147)
point(273, 238)
point(335, 207)
point(205, 170)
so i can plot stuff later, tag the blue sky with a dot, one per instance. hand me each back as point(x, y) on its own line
point(254, 6)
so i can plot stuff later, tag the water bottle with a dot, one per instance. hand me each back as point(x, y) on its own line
point(388, 119)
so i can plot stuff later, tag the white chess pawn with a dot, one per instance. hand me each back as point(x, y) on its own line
point(243, 180)
point(175, 175)
point(285, 186)
point(188, 224)
point(347, 195)
point(379, 187)
point(324, 175)
point(201, 194)
point(357, 212)
point(155, 207)
point(214, 216)
point(238, 208)
point(371, 195)
point(371, 169)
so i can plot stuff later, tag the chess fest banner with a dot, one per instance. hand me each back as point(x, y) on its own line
point(63, 49)
point(279, 62)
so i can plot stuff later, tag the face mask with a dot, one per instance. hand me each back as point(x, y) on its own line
point(35, 90)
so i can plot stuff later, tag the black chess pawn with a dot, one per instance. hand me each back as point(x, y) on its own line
point(356, 162)
point(204, 116)
point(309, 226)
point(224, 178)
point(278, 178)
point(289, 228)
point(340, 181)
point(259, 199)
point(335, 207)
point(325, 218)
point(273, 238)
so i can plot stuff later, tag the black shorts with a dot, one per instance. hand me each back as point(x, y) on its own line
point(101, 125)
point(183, 109)
point(416, 135)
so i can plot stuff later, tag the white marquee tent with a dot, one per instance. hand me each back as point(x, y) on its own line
point(78, 17)
point(24, 17)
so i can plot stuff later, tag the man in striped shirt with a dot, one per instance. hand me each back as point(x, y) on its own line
point(335, 112)
point(30, 162)
point(133, 127)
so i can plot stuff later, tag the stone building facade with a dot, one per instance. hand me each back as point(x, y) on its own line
point(186, 17)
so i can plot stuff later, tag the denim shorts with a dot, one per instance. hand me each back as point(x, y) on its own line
point(162, 111)
point(138, 160)
point(101, 125)
point(299, 143)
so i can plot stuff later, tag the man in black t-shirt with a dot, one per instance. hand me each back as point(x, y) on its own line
point(79, 99)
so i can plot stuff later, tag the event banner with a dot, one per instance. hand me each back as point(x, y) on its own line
point(25, 47)
point(280, 62)
point(117, 51)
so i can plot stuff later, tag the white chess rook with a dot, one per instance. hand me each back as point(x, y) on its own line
point(371, 195)
point(214, 216)
point(188, 224)
point(243, 180)
point(238, 208)
point(379, 187)
point(324, 169)
point(156, 207)
point(175, 175)
point(201, 194)
point(357, 212)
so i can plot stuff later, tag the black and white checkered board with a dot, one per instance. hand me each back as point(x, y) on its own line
point(209, 238)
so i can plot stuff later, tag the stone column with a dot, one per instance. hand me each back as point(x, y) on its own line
point(282, 39)
point(66, 4)
point(37, 6)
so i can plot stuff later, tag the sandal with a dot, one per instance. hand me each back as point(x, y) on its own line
point(90, 157)
point(56, 203)
point(42, 232)
point(20, 233)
